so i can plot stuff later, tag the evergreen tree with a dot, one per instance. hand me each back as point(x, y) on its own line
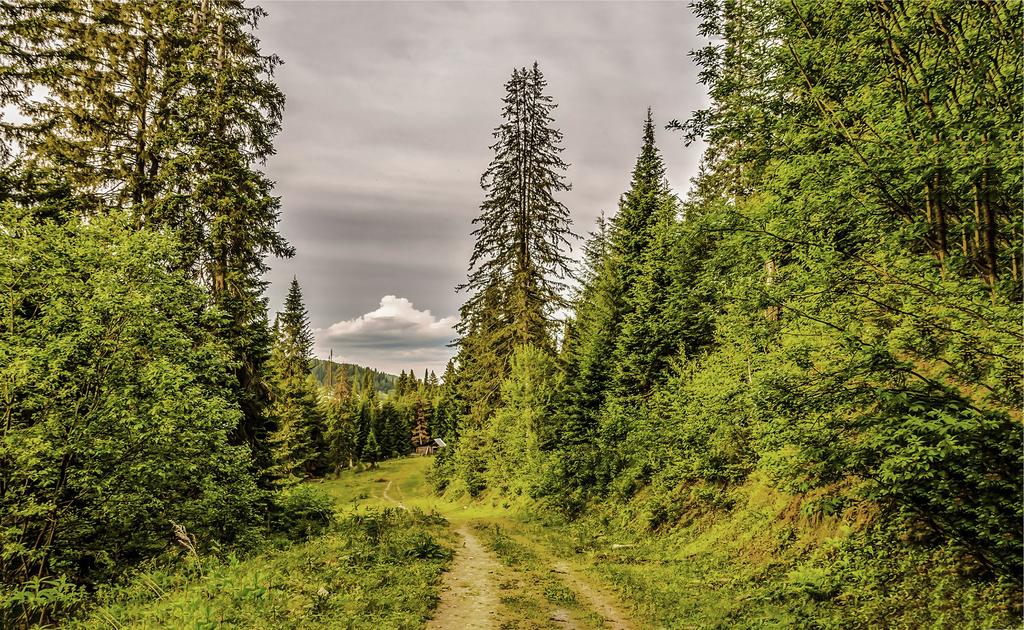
point(420, 423)
point(341, 433)
point(519, 262)
point(164, 111)
point(595, 357)
point(298, 439)
point(365, 420)
point(372, 450)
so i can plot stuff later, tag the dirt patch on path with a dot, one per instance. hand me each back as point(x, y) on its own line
point(388, 498)
point(599, 601)
point(469, 596)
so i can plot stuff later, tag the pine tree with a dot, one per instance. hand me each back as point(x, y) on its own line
point(642, 238)
point(519, 262)
point(372, 450)
point(342, 424)
point(298, 442)
point(365, 419)
point(367, 389)
point(420, 423)
point(615, 258)
point(342, 389)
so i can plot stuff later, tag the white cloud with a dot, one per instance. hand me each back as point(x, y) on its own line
point(395, 336)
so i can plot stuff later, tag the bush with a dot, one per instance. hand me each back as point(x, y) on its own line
point(302, 512)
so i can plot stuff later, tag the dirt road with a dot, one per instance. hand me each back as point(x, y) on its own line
point(469, 599)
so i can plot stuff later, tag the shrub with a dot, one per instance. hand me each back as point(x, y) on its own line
point(302, 512)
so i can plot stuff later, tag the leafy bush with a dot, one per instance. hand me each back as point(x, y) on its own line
point(302, 512)
point(420, 545)
point(119, 409)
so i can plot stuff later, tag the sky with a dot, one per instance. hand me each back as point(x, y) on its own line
point(387, 128)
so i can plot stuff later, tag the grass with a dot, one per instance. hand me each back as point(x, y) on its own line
point(378, 566)
point(365, 489)
point(531, 595)
point(755, 560)
point(764, 563)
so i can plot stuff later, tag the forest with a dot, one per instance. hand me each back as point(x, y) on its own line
point(797, 383)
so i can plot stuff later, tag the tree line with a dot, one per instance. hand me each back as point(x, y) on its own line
point(326, 371)
point(323, 427)
point(833, 306)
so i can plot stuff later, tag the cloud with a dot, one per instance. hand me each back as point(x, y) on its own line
point(395, 336)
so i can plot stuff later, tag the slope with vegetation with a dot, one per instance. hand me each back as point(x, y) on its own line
point(798, 387)
point(327, 371)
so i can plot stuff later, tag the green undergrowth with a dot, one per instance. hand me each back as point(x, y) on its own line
point(373, 569)
point(755, 557)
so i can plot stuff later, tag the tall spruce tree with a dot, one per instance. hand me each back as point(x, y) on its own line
point(520, 262)
point(298, 439)
point(614, 270)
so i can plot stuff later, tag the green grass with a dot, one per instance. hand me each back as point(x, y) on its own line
point(377, 567)
point(754, 561)
point(764, 563)
point(532, 589)
point(364, 489)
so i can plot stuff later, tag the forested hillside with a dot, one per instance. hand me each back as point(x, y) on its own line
point(830, 317)
point(788, 395)
point(327, 371)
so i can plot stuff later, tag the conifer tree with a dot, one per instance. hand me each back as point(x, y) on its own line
point(298, 439)
point(642, 237)
point(520, 261)
point(614, 267)
point(420, 423)
point(372, 450)
point(342, 388)
point(341, 433)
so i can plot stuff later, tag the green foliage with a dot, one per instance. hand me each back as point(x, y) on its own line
point(165, 112)
point(117, 405)
point(517, 273)
point(39, 598)
point(835, 308)
point(298, 439)
point(355, 374)
point(522, 230)
point(372, 451)
point(470, 458)
point(378, 569)
point(135, 336)
point(522, 424)
point(302, 512)
point(604, 364)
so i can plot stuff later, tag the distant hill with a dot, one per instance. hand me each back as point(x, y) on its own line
point(382, 381)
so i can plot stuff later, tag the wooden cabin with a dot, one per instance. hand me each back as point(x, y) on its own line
point(429, 447)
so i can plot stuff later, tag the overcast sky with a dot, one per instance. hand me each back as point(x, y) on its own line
point(386, 132)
